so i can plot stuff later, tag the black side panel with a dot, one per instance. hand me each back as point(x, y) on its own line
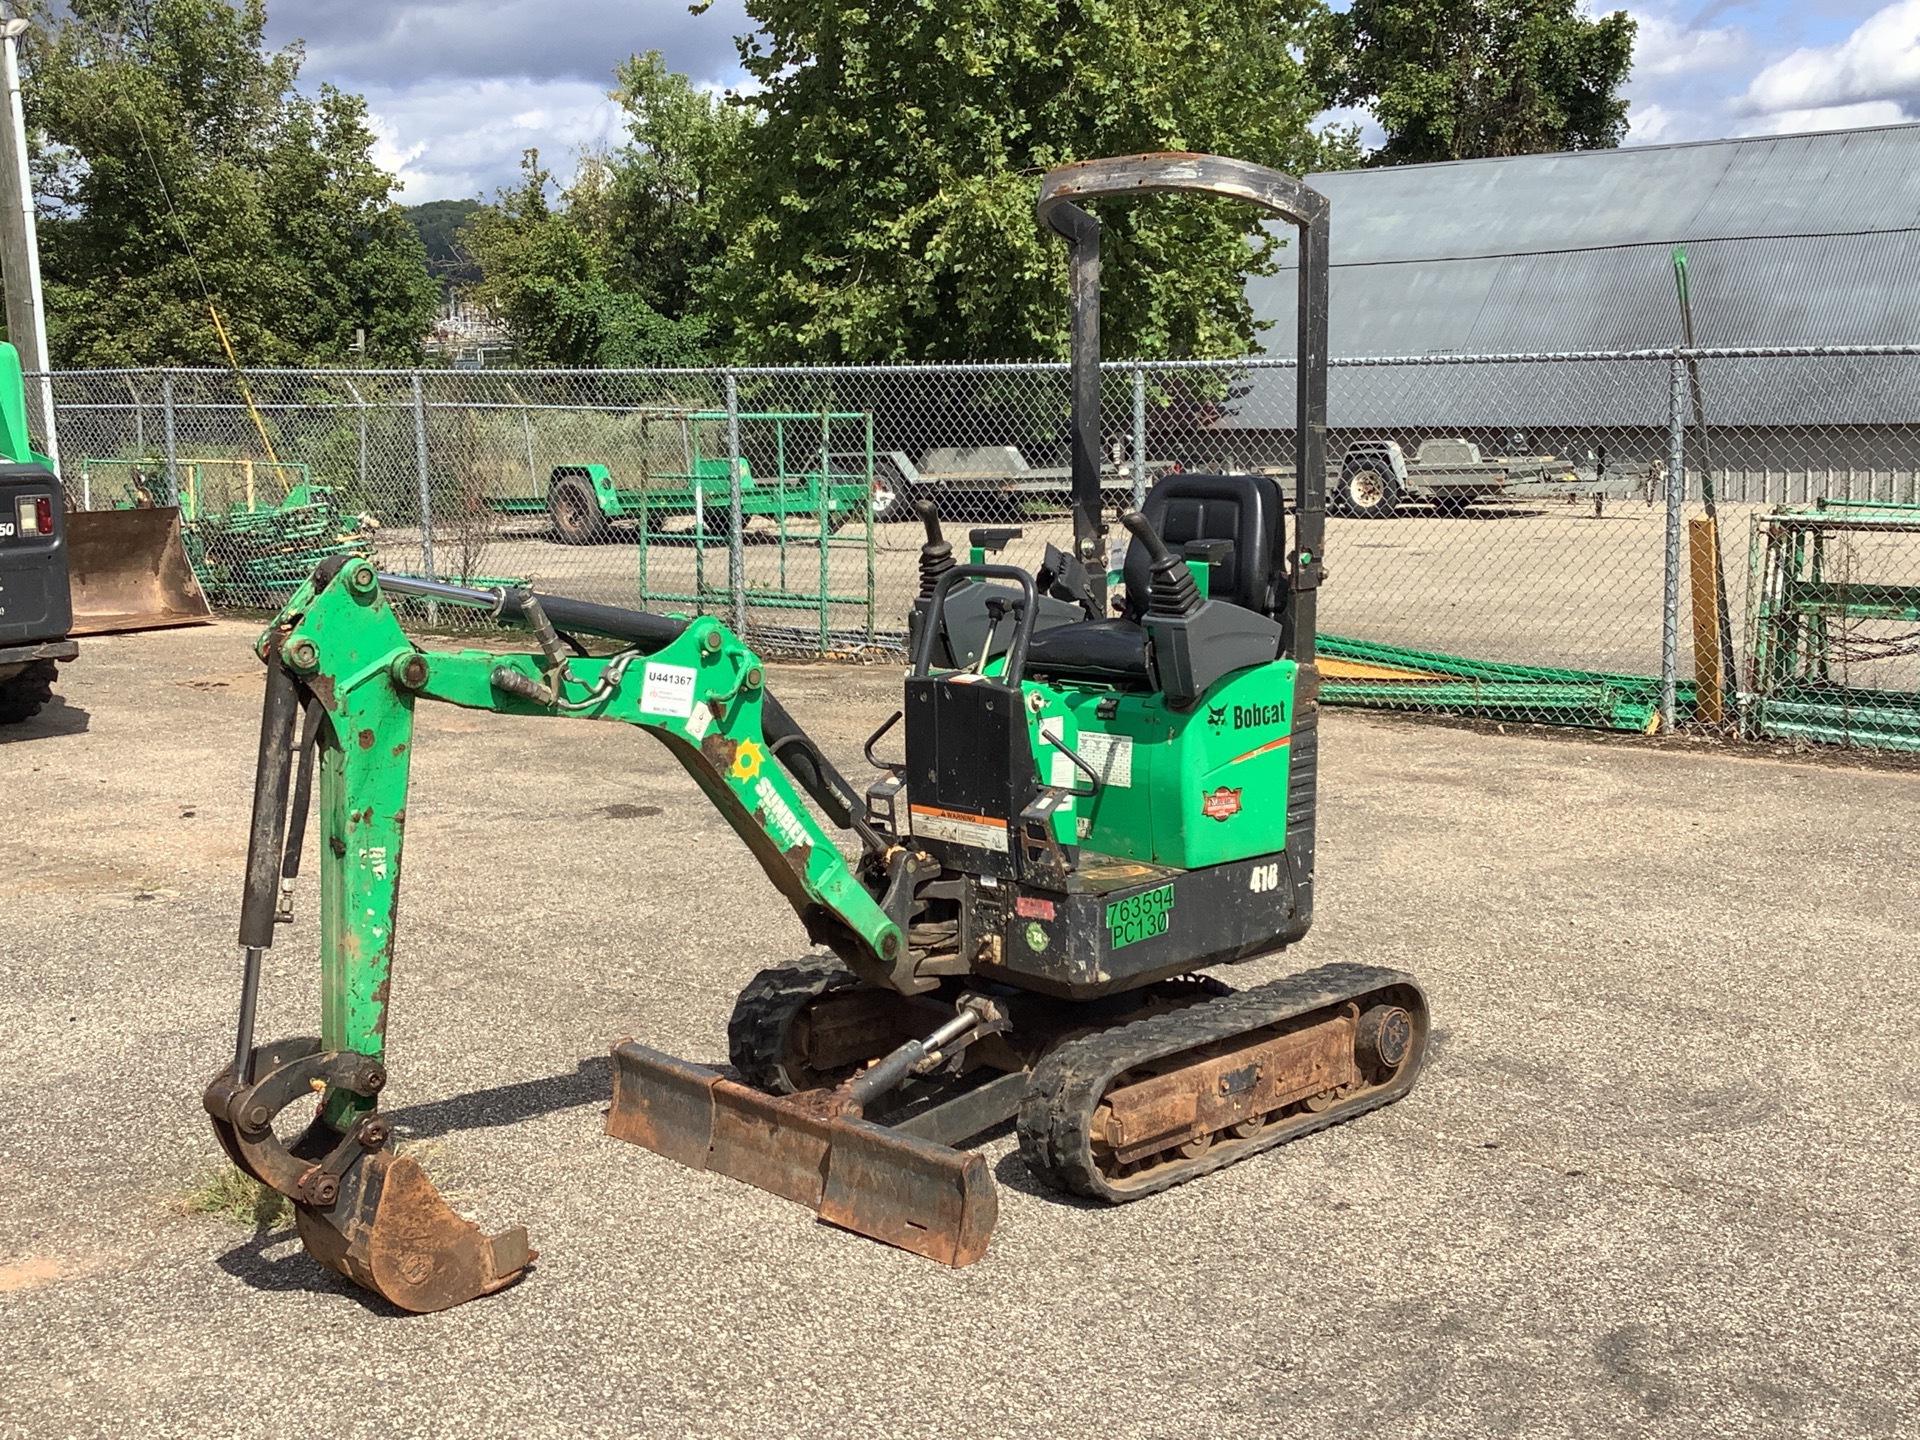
point(1080, 946)
point(969, 771)
point(35, 600)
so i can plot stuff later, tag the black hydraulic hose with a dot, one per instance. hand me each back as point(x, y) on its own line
point(265, 841)
point(639, 627)
point(791, 745)
point(302, 804)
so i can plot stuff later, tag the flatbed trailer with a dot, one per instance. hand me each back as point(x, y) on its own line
point(1375, 477)
point(832, 483)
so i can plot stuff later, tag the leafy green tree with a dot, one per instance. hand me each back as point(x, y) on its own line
point(884, 202)
point(665, 185)
point(179, 169)
point(607, 276)
point(551, 276)
point(1461, 79)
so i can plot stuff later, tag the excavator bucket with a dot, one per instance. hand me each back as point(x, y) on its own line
point(129, 571)
point(396, 1237)
point(362, 1210)
point(924, 1197)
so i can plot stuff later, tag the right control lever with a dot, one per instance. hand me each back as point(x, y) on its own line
point(1171, 591)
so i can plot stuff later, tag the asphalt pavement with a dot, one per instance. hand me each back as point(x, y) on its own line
point(1657, 1179)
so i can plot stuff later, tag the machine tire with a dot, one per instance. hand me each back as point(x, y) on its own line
point(576, 513)
point(1368, 491)
point(22, 695)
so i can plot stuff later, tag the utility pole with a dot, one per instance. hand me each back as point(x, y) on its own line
point(19, 239)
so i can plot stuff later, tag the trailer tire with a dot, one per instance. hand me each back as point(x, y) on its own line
point(576, 513)
point(22, 695)
point(1369, 490)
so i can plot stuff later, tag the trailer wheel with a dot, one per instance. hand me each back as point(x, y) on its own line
point(22, 695)
point(1368, 491)
point(577, 516)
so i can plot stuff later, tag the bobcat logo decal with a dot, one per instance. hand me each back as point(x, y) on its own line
point(1217, 716)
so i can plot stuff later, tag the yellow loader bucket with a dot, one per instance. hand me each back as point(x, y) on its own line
point(129, 571)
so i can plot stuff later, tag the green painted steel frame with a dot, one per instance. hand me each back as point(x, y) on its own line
point(345, 645)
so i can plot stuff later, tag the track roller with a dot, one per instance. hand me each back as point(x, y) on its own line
point(1131, 1111)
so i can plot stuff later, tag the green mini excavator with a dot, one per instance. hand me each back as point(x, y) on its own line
point(1087, 809)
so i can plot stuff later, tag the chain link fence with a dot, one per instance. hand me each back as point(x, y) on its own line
point(1716, 538)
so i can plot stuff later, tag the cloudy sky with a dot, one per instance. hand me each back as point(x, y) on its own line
point(460, 87)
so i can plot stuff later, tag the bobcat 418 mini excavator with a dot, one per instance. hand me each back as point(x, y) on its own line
point(1087, 811)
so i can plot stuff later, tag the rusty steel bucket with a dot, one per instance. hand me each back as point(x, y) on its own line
point(128, 570)
point(921, 1196)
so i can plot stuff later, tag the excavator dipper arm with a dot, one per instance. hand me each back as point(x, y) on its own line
point(337, 655)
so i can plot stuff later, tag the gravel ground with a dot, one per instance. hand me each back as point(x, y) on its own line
point(1657, 1179)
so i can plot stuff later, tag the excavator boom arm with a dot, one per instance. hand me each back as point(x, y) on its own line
point(337, 656)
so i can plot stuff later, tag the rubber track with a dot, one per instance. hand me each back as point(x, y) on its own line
point(766, 1010)
point(1057, 1115)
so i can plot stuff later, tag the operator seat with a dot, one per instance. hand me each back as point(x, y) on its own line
point(1245, 509)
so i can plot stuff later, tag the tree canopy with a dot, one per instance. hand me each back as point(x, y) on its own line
point(884, 205)
point(608, 273)
point(1461, 79)
point(553, 276)
point(178, 167)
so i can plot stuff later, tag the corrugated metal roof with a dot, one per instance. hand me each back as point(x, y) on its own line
point(1791, 240)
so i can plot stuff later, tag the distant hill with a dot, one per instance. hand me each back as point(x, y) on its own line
point(437, 220)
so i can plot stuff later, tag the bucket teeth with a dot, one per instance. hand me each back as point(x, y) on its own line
point(920, 1196)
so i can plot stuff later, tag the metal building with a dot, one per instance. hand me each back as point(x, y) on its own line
point(1791, 240)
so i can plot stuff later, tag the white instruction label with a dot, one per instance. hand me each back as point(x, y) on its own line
point(699, 722)
point(957, 827)
point(668, 690)
point(1111, 756)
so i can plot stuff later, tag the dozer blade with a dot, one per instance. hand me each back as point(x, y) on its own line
point(391, 1233)
point(923, 1197)
point(129, 571)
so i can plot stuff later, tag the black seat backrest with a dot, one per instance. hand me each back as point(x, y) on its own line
point(1242, 508)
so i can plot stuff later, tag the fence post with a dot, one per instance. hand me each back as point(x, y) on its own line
point(360, 402)
point(420, 465)
point(173, 462)
point(736, 540)
point(1670, 591)
point(1139, 437)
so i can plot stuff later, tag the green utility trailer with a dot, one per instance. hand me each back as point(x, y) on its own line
point(821, 471)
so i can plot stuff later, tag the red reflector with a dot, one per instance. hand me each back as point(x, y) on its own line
point(43, 514)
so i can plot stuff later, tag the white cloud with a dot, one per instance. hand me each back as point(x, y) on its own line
point(1664, 47)
point(1878, 62)
point(454, 141)
point(402, 42)
point(1653, 123)
point(1682, 72)
point(1826, 117)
